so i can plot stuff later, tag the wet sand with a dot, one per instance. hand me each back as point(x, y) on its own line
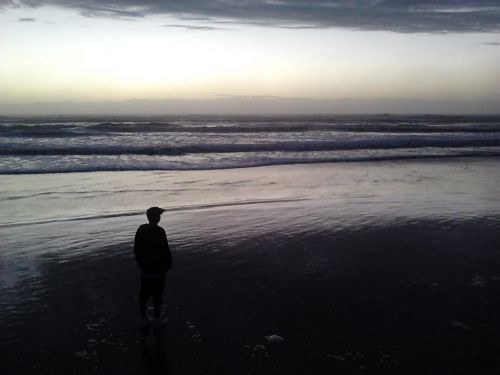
point(383, 290)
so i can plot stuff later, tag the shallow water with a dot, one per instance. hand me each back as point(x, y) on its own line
point(269, 244)
point(78, 214)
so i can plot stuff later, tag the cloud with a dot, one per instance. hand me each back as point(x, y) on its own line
point(99, 11)
point(404, 16)
point(495, 44)
point(27, 19)
point(196, 27)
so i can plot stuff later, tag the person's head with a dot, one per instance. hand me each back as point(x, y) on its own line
point(154, 214)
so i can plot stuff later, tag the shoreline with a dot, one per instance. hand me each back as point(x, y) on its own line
point(387, 159)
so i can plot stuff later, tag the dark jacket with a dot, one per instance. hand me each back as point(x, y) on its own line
point(151, 249)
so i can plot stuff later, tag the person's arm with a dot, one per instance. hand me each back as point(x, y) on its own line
point(168, 254)
point(138, 246)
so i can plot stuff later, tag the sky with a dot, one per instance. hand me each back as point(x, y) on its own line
point(383, 51)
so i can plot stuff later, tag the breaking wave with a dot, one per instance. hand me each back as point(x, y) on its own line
point(46, 145)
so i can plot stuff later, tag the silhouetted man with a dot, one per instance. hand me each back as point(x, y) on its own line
point(153, 256)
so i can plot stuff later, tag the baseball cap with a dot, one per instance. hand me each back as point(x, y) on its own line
point(153, 211)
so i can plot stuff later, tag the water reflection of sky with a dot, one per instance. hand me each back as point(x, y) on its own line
point(87, 214)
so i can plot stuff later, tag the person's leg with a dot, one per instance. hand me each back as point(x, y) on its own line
point(159, 284)
point(144, 294)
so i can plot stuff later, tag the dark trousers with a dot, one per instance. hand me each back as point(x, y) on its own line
point(151, 286)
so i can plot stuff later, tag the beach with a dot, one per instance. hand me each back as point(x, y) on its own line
point(325, 175)
point(377, 267)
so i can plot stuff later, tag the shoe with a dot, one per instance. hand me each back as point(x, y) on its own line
point(157, 323)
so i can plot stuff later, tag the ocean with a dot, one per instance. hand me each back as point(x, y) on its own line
point(367, 242)
point(85, 144)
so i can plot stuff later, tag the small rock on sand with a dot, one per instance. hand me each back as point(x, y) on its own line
point(336, 357)
point(275, 339)
point(459, 324)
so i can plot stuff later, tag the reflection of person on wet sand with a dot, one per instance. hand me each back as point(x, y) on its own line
point(153, 256)
point(153, 356)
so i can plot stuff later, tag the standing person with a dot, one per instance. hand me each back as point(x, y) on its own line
point(154, 259)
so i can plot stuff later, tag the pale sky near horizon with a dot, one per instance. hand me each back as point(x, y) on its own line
point(61, 52)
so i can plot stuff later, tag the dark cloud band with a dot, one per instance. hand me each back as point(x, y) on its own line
point(405, 16)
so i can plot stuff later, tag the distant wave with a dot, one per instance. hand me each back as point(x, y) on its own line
point(110, 143)
point(76, 168)
point(51, 129)
point(270, 127)
point(330, 145)
point(63, 131)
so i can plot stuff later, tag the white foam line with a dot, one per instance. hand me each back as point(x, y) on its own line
point(141, 212)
